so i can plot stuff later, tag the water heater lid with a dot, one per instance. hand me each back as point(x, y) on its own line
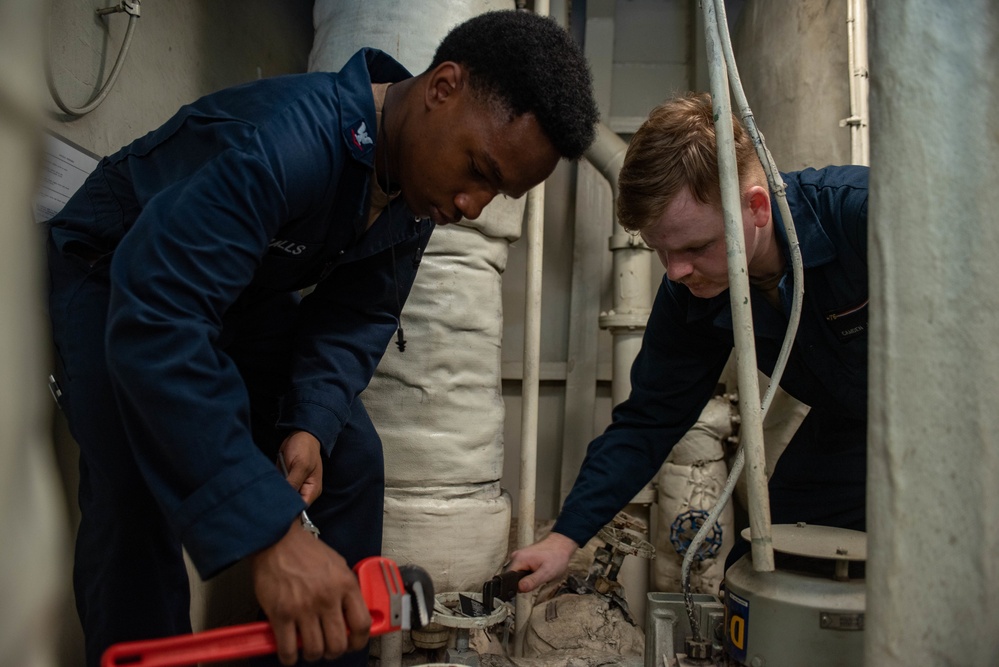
point(813, 541)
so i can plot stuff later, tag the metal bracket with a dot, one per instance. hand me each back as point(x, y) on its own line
point(130, 7)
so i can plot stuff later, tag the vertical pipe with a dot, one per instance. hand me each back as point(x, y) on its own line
point(606, 155)
point(632, 299)
point(742, 317)
point(632, 273)
point(390, 650)
point(858, 62)
point(933, 464)
point(529, 392)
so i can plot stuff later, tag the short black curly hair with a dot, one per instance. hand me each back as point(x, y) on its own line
point(531, 64)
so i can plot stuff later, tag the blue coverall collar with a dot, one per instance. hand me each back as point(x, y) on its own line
point(357, 105)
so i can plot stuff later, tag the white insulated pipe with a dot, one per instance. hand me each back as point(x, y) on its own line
point(438, 407)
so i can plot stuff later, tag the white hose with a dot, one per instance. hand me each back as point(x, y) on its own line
point(780, 193)
point(106, 88)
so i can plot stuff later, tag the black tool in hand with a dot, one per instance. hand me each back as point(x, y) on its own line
point(501, 587)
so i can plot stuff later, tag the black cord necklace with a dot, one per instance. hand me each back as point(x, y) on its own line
point(400, 335)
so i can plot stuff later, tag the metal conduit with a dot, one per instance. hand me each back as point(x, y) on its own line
point(527, 495)
point(742, 315)
point(721, 65)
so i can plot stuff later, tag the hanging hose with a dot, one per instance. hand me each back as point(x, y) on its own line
point(717, 29)
point(130, 7)
point(780, 193)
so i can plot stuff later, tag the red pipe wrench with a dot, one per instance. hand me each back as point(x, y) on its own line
point(397, 599)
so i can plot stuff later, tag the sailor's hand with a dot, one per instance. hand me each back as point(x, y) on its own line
point(307, 592)
point(547, 559)
point(303, 458)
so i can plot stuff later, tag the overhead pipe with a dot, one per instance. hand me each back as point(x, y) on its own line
point(606, 153)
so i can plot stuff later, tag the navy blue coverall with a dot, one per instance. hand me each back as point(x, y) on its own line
point(821, 476)
point(186, 353)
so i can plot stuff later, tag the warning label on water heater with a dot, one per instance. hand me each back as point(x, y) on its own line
point(736, 626)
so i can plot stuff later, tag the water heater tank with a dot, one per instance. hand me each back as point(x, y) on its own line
point(809, 611)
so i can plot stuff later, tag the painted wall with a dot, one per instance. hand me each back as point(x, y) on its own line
point(792, 58)
point(180, 51)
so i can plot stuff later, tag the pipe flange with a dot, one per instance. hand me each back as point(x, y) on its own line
point(624, 321)
point(429, 637)
point(628, 542)
point(624, 241)
point(447, 612)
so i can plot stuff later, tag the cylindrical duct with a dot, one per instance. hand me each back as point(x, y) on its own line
point(933, 503)
point(438, 407)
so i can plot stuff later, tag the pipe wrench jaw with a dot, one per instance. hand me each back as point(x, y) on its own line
point(422, 601)
point(397, 598)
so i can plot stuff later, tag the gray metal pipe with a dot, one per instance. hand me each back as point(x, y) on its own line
point(742, 315)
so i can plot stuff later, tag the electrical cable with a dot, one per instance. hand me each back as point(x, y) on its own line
point(714, 11)
point(131, 7)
